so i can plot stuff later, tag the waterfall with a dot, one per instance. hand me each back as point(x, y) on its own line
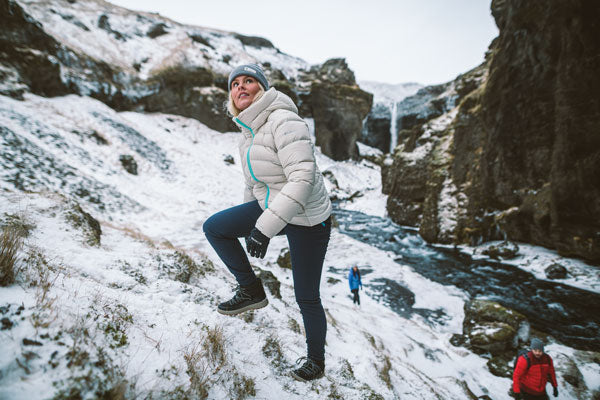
point(393, 133)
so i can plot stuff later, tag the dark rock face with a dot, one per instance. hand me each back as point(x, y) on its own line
point(32, 60)
point(429, 102)
point(24, 50)
point(189, 92)
point(542, 113)
point(376, 132)
point(339, 111)
point(523, 155)
point(338, 107)
point(157, 30)
point(254, 41)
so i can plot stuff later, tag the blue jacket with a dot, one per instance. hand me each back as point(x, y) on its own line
point(354, 280)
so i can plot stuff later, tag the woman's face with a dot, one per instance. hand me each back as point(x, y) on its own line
point(243, 91)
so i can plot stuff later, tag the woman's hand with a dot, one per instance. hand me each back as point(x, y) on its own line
point(257, 243)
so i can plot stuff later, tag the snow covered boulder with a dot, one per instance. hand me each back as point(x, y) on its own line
point(506, 250)
point(491, 327)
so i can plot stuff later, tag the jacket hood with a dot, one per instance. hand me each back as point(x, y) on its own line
point(257, 114)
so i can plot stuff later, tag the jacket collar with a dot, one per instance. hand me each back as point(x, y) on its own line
point(256, 115)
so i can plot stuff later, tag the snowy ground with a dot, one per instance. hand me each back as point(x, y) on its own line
point(137, 313)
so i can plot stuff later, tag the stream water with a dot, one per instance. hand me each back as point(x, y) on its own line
point(570, 314)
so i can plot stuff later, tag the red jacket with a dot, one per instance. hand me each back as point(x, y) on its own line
point(534, 379)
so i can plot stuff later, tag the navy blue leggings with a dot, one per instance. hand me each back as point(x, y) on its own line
point(308, 245)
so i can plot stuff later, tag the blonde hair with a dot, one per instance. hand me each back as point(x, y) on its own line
point(233, 110)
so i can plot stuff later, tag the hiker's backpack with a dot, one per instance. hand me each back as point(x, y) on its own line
point(524, 353)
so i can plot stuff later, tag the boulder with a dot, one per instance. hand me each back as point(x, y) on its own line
point(271, 282)
point(556, 271)
point(493, 337)
point(491, 327)
point(128, 162)
point(506, 250)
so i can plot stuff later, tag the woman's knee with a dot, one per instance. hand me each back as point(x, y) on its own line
point(309, 304)
point(210, 226)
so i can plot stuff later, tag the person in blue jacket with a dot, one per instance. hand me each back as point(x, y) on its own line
point(355, 283)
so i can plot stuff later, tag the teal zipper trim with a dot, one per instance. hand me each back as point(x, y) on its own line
point(250, 166)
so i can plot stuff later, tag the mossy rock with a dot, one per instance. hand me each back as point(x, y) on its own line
point(494, 337)
point(80, 219)
point(285, 259)
point(502, 365)
point(490, 311)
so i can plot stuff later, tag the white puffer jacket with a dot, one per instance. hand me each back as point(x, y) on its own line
point(279, 165)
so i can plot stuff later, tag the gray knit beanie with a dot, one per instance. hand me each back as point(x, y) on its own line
point(252, 70)
point(537, 344)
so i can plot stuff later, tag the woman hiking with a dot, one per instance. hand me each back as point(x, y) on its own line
point(355, 283)
point(284, 195)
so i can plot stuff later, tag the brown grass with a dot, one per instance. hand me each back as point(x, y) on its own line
point(197, 370)
point(11, 243)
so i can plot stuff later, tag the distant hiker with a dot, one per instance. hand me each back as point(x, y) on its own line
point(284, 195)
point(532, 373)
point(355, 282)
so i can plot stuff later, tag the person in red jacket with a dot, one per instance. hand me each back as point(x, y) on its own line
point(532, 373)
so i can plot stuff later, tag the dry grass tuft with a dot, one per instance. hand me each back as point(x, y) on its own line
point(243, 387)
point(272, 350)
point(214, 347)
point(197, 370)
point(42, 276)
point(384, 372)
point(11, 243)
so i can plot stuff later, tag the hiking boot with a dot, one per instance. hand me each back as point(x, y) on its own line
point(311, 369)
point(246, 298)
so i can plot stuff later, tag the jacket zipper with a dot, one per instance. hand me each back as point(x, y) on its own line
point(250, 166)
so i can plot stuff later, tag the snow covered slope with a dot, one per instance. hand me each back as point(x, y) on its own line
point(135, 314)
point(147, 42)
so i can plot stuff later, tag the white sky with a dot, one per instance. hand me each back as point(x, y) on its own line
point(393, 41)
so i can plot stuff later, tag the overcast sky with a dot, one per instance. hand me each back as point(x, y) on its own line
point(393, 41)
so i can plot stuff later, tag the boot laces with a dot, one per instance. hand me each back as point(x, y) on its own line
point(240, 295)
point(309, 368)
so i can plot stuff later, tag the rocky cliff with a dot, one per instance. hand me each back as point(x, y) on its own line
point(519, 155)
point(144, 62)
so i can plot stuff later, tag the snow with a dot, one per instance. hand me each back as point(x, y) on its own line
point(389, 93)
point(132, 270)
point(125, 43)
point(122, 314)
point(536, 259)
point(447, 208)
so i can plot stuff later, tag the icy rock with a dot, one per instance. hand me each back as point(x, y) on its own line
point(556, 271)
